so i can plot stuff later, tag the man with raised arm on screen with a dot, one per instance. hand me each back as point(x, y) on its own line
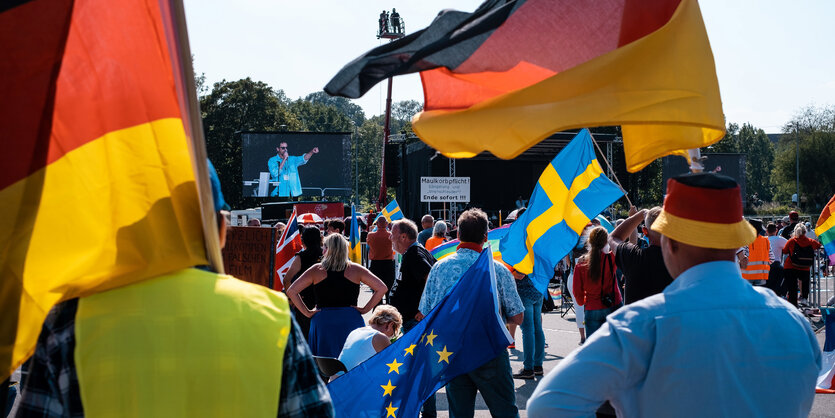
point(284, 168)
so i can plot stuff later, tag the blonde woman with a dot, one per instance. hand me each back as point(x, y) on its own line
point(336, 285)
point(362, 343)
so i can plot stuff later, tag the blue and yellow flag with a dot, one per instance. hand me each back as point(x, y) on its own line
point(354, 245)
point(392, 211)
point(463, 332)
point(571, 191)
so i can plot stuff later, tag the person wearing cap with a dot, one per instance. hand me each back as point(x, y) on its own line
point(186, 343)
point(708, 345)
point(792, 221)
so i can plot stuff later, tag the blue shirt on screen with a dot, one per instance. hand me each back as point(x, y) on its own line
point(288, 177)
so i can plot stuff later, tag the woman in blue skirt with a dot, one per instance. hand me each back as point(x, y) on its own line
point(336, 284)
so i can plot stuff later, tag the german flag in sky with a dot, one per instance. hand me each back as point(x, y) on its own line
point(97, 186)
point(513, 72)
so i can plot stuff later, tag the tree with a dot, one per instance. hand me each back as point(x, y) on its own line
point(730, 143)
point(234, 106)
point(348, 108)
point(402, 114)
point(814, 130)
point(319, 117)
point(759, 162)
point(367, 148)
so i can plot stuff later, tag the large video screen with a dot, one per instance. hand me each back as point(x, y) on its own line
point(280, 165)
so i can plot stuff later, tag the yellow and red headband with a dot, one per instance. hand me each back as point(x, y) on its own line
point(704, 210)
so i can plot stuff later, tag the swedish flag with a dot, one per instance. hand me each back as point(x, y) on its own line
point(571, 191)
point(355, 247)
point(392, 211)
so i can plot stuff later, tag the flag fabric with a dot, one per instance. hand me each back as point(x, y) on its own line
point(825, 229)
point(826, 378)
point(463, 332)
point(286, 248)
point(392, 211)
point(571, 191)
point(97, 186)
point(605, 223)
point(509, 74)
point(354, 244)
point(493, 237)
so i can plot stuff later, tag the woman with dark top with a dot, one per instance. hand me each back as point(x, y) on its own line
point(336, 285)
point(595, 285)
point(798, 269)
point(306, 258)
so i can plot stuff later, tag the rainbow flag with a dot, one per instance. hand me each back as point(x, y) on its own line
point(509, 74)
point(493, 237)
point(825, 229)
point(97, 186)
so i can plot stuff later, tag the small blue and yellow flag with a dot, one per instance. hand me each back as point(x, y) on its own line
point(354, 245)
point(571, 191)
point(462, 333)
point(392, 211)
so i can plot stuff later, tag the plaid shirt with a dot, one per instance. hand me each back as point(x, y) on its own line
point(52, 390)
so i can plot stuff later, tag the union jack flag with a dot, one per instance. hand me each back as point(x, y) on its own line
point(286, 248)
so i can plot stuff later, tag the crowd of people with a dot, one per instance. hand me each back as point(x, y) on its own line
point(652, 298)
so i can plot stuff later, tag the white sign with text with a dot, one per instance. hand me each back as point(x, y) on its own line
point(444, 189)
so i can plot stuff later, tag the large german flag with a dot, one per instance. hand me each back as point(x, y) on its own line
point(513, 72)
point(97, 187)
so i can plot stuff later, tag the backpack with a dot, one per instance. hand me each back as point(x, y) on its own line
point(802, 257)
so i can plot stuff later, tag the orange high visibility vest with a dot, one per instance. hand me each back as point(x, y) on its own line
point(758, 259)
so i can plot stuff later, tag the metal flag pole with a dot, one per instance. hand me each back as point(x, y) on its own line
point(611, 170)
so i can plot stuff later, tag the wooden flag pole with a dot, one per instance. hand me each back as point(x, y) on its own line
point(625, 194)
point(194, 127)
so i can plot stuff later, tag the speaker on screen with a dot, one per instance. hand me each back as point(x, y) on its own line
point(285, 165)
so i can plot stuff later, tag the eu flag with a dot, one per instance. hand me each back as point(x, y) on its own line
point(463, 332)
point(354, 248)
point(571, 191)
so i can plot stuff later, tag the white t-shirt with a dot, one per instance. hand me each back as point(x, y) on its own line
point(777, 244)
point(358, 347)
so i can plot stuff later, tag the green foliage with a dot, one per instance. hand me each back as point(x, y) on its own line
point(772, 209)
point(318, 117)
point(812, 130)
point(345, 106)
point(367, 148)
point(234, 106)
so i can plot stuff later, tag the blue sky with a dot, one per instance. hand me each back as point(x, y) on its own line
point(772, 57)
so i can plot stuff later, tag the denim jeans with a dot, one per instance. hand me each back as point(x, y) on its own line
point(596, 318)
point(429, 409)
point(533, 338)
point(495, 382)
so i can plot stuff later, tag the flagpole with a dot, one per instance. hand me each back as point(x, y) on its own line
point(198, 142)
point(625, 194)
